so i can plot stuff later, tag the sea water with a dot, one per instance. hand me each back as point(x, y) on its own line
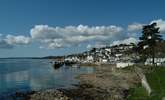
point(21, 75)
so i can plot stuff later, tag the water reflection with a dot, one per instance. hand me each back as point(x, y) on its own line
point(30, 74)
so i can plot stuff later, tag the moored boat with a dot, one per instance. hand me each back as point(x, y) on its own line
point(69, 63)
point(76, 65)
point(57, 65)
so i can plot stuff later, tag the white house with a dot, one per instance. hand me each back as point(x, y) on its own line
point(124, 64)
point(73, 58)
point(108, 49)
point(90, 58)
point(104, 60)
point(118, 55)
point(158, 61)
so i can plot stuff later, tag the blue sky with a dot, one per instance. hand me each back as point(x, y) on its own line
point(19, 17)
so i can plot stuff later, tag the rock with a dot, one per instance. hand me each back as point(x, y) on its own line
point(49, 95)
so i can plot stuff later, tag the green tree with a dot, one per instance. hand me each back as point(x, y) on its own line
point(150, 37)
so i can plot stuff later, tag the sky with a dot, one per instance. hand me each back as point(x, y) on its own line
point(37, 28)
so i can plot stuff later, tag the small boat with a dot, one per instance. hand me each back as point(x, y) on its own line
point(57, 65)
point(76, 66)
point(69, 63)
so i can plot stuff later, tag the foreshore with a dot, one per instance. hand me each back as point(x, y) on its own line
point(106, 83)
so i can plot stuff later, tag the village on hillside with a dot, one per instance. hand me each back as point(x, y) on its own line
point(121, 55)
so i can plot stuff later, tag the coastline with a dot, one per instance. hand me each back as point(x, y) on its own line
point(105, 83)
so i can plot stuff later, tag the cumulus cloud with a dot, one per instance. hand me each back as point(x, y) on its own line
point(60, 37)
point(5, 45)
point(52, 43)
point(125, 41)
point(56, 37)
point(17, 40)
point(9, 41)
point(138, 26)
point(45, 31)
point(161, 24)
point(135, 27)
point(96, 45)
point(89, 46)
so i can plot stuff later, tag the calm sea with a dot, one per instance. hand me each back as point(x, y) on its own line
point(35, 74)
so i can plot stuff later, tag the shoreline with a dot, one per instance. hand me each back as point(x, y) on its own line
point(106, 83)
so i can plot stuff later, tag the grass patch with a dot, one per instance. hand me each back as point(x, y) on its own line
point(138, 93)
point(156, 80)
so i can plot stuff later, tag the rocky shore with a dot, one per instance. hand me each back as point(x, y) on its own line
point(49, 95)
point(107, 83)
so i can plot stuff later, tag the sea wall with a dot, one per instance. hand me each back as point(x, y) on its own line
point(144, 81)
point(146, 85)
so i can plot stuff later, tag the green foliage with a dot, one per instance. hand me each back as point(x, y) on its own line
point(160, 49)
point(138, 93)
point(150, 37)
point(156, 81)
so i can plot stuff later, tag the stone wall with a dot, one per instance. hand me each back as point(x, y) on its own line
point(144, 82)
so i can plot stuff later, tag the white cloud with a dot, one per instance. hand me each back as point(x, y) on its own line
point(161, 24)
point(135, 27)
point(96, 45)
point(5, 45)
point(59, 37)
point(125, 41)
point(52, 43)
point(17, 40)
point(89, 46)
point(9, 41)
point(56, 37)
point(45, 31)
point(138, 26)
